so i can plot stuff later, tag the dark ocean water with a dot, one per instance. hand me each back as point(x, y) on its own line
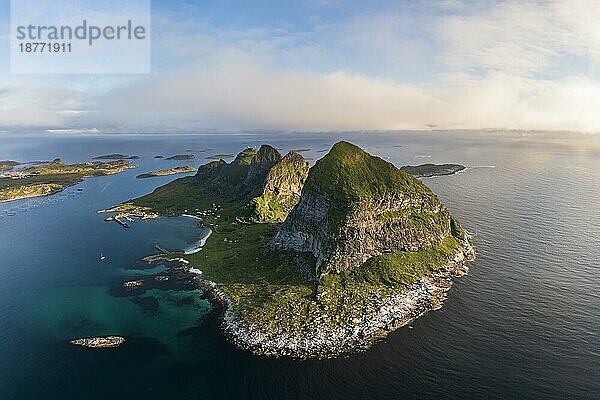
point(525, 323)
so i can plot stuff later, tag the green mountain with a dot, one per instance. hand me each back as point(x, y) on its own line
point(243, 178)
point(355, 206)
point(258, 185)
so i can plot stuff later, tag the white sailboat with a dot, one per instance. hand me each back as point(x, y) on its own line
point(102, 257)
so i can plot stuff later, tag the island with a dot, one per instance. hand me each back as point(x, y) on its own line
point(128, 210)
point(180, 157)
point(219, 156)
point(316, 262)
point(172, 171)
point(7, 165)
point(116, 156)
point(430, 170)
point(99, 342)
point(53, 177)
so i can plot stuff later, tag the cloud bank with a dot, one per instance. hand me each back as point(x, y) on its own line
point(453, 65)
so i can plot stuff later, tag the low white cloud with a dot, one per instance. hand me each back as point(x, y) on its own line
point(237, 91)
point(458, 64)
point(27, 104)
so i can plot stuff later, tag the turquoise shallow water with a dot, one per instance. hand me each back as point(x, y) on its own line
point(525, 323)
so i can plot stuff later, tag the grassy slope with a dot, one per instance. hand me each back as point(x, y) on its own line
point(405, 268)
point(350, 174)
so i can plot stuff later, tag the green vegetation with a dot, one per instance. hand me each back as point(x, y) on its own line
point(350, 174)
point(405, 268)
point(428, 170)
point(268, 207)
point(232, 185)
point(278, 291)
point(180, 157)
point(58, 167)
point(236, 254)
point(283, 186)
point(430, 222)
point(53, 177)
point(172, 171)
point(177, 196)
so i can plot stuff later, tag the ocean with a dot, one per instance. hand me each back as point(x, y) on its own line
point(525, 322)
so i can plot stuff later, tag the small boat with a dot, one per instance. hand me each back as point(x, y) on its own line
point(102, 257)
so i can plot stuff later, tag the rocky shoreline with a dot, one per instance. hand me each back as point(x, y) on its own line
point(388, 314)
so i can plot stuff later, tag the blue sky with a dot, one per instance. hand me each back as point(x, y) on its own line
point(334, 65)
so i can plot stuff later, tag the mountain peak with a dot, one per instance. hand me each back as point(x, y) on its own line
point(355, 206)
point(267, 153)
point(349, 174)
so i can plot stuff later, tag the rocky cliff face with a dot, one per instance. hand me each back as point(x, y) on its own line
point(282, 189)
point(355, 206)
point(267, 184)
point(260, 164)
point(244, 177)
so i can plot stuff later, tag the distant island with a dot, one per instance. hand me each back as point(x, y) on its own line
point(429, 170)
point(116, 156)
point(172, 171)
point(219, 156)
point(315, 262)
point(182, 157)
point(46, 179)
point(7, 165)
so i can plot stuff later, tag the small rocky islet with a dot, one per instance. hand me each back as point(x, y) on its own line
point(100, 342)
point(430, 170)
point(314, 262)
